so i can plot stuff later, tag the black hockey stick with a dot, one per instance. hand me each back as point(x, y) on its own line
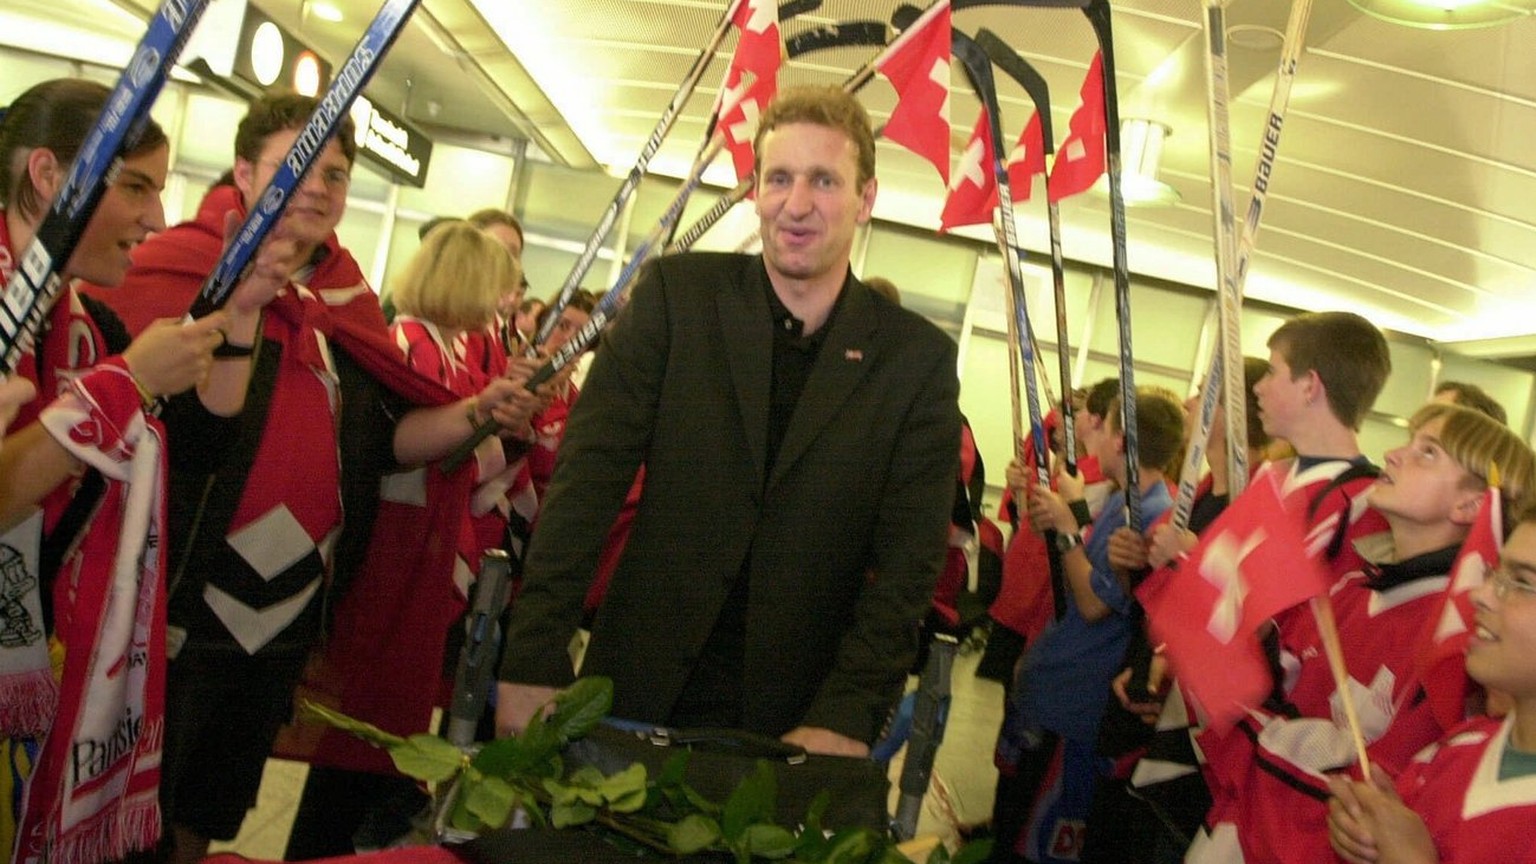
point(1098, 15)
point(36, 284)
point(1005, 58)
point(348, 81)
point(978, 67)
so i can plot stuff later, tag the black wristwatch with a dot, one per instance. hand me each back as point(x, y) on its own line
point(1067, 542)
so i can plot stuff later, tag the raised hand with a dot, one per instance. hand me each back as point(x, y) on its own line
point(171, 356)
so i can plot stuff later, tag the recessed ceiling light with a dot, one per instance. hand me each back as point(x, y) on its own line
point(325, 11)
point(1447, 14)
point(1255, 37)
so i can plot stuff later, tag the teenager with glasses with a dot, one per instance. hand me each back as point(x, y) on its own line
point(1429, 492)
point(1472, 797)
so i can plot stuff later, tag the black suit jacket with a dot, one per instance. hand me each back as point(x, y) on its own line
point(841, 544)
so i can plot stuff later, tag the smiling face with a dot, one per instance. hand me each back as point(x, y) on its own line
point(810, 202)
point(317, 205)
point(128, 212)
point(1502, 652)
point(1422, 483)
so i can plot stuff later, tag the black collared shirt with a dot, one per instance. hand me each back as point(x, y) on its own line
point(794, 354)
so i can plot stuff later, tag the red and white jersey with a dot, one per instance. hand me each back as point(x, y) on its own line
point(1377, 634)
point(1266, 774)
point(1313, 491)
point(463, 362)
point(1278, 802)
point(1472, 815)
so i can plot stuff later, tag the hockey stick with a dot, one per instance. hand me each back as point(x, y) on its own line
point(1279, 101)
point(602, 313)
point(1004, 57)
point(1098, 15)
point(345, 85)
point(636, 173)
point(1228, 301)
point(978, 67)
point(36, 284)
point(930, 717)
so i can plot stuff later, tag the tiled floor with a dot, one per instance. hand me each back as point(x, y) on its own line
point(960, 791)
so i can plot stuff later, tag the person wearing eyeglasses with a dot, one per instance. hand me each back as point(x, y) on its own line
point(1429, 492)
point(1471, 797)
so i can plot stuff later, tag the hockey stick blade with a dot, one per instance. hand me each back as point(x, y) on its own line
point(906, 13)
point(1005, 58)
point(844, 35)
point(36, 283)
point(792, 8)
point(348, 81)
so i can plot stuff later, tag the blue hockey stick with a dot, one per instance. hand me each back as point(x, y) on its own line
point(345, 85)
point(36, 284)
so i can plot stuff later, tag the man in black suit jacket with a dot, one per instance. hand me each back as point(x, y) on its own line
point(800, 438)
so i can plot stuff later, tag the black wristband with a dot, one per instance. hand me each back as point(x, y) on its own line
point(238, 352)
point(1080, 513)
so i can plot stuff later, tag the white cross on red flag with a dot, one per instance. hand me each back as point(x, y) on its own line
point(1080, 161)
point(972, 187)
point(759, 48)
point(917, 65)
point(1207, 609)
point(1026, 160)
point(751, 80)
point(743, 105)
point(1441, 661)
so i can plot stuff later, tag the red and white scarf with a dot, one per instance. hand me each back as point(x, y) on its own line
point(93, 795)
point(28, 690)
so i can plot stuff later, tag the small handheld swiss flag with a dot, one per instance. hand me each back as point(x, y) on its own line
point(1207, 609)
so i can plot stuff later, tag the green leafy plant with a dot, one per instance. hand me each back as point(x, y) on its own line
point(479, 790)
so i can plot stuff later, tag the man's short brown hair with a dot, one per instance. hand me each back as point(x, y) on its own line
point(1346, 351)
point(824, 106)
point(280, 112)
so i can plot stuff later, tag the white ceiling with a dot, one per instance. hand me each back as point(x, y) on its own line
point(1403, 187)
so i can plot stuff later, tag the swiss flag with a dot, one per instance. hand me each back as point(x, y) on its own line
point(1441, 661)
point(1207, 609)
point(742, 104)
point(1026, 160)
point(751, 80)
point(759, 49)
point(917, 64)
point(972, 187)
point(1081, 158)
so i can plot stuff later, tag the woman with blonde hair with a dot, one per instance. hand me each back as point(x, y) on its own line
point(445, 299)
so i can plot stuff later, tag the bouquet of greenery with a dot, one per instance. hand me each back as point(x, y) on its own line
point(480, 790)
